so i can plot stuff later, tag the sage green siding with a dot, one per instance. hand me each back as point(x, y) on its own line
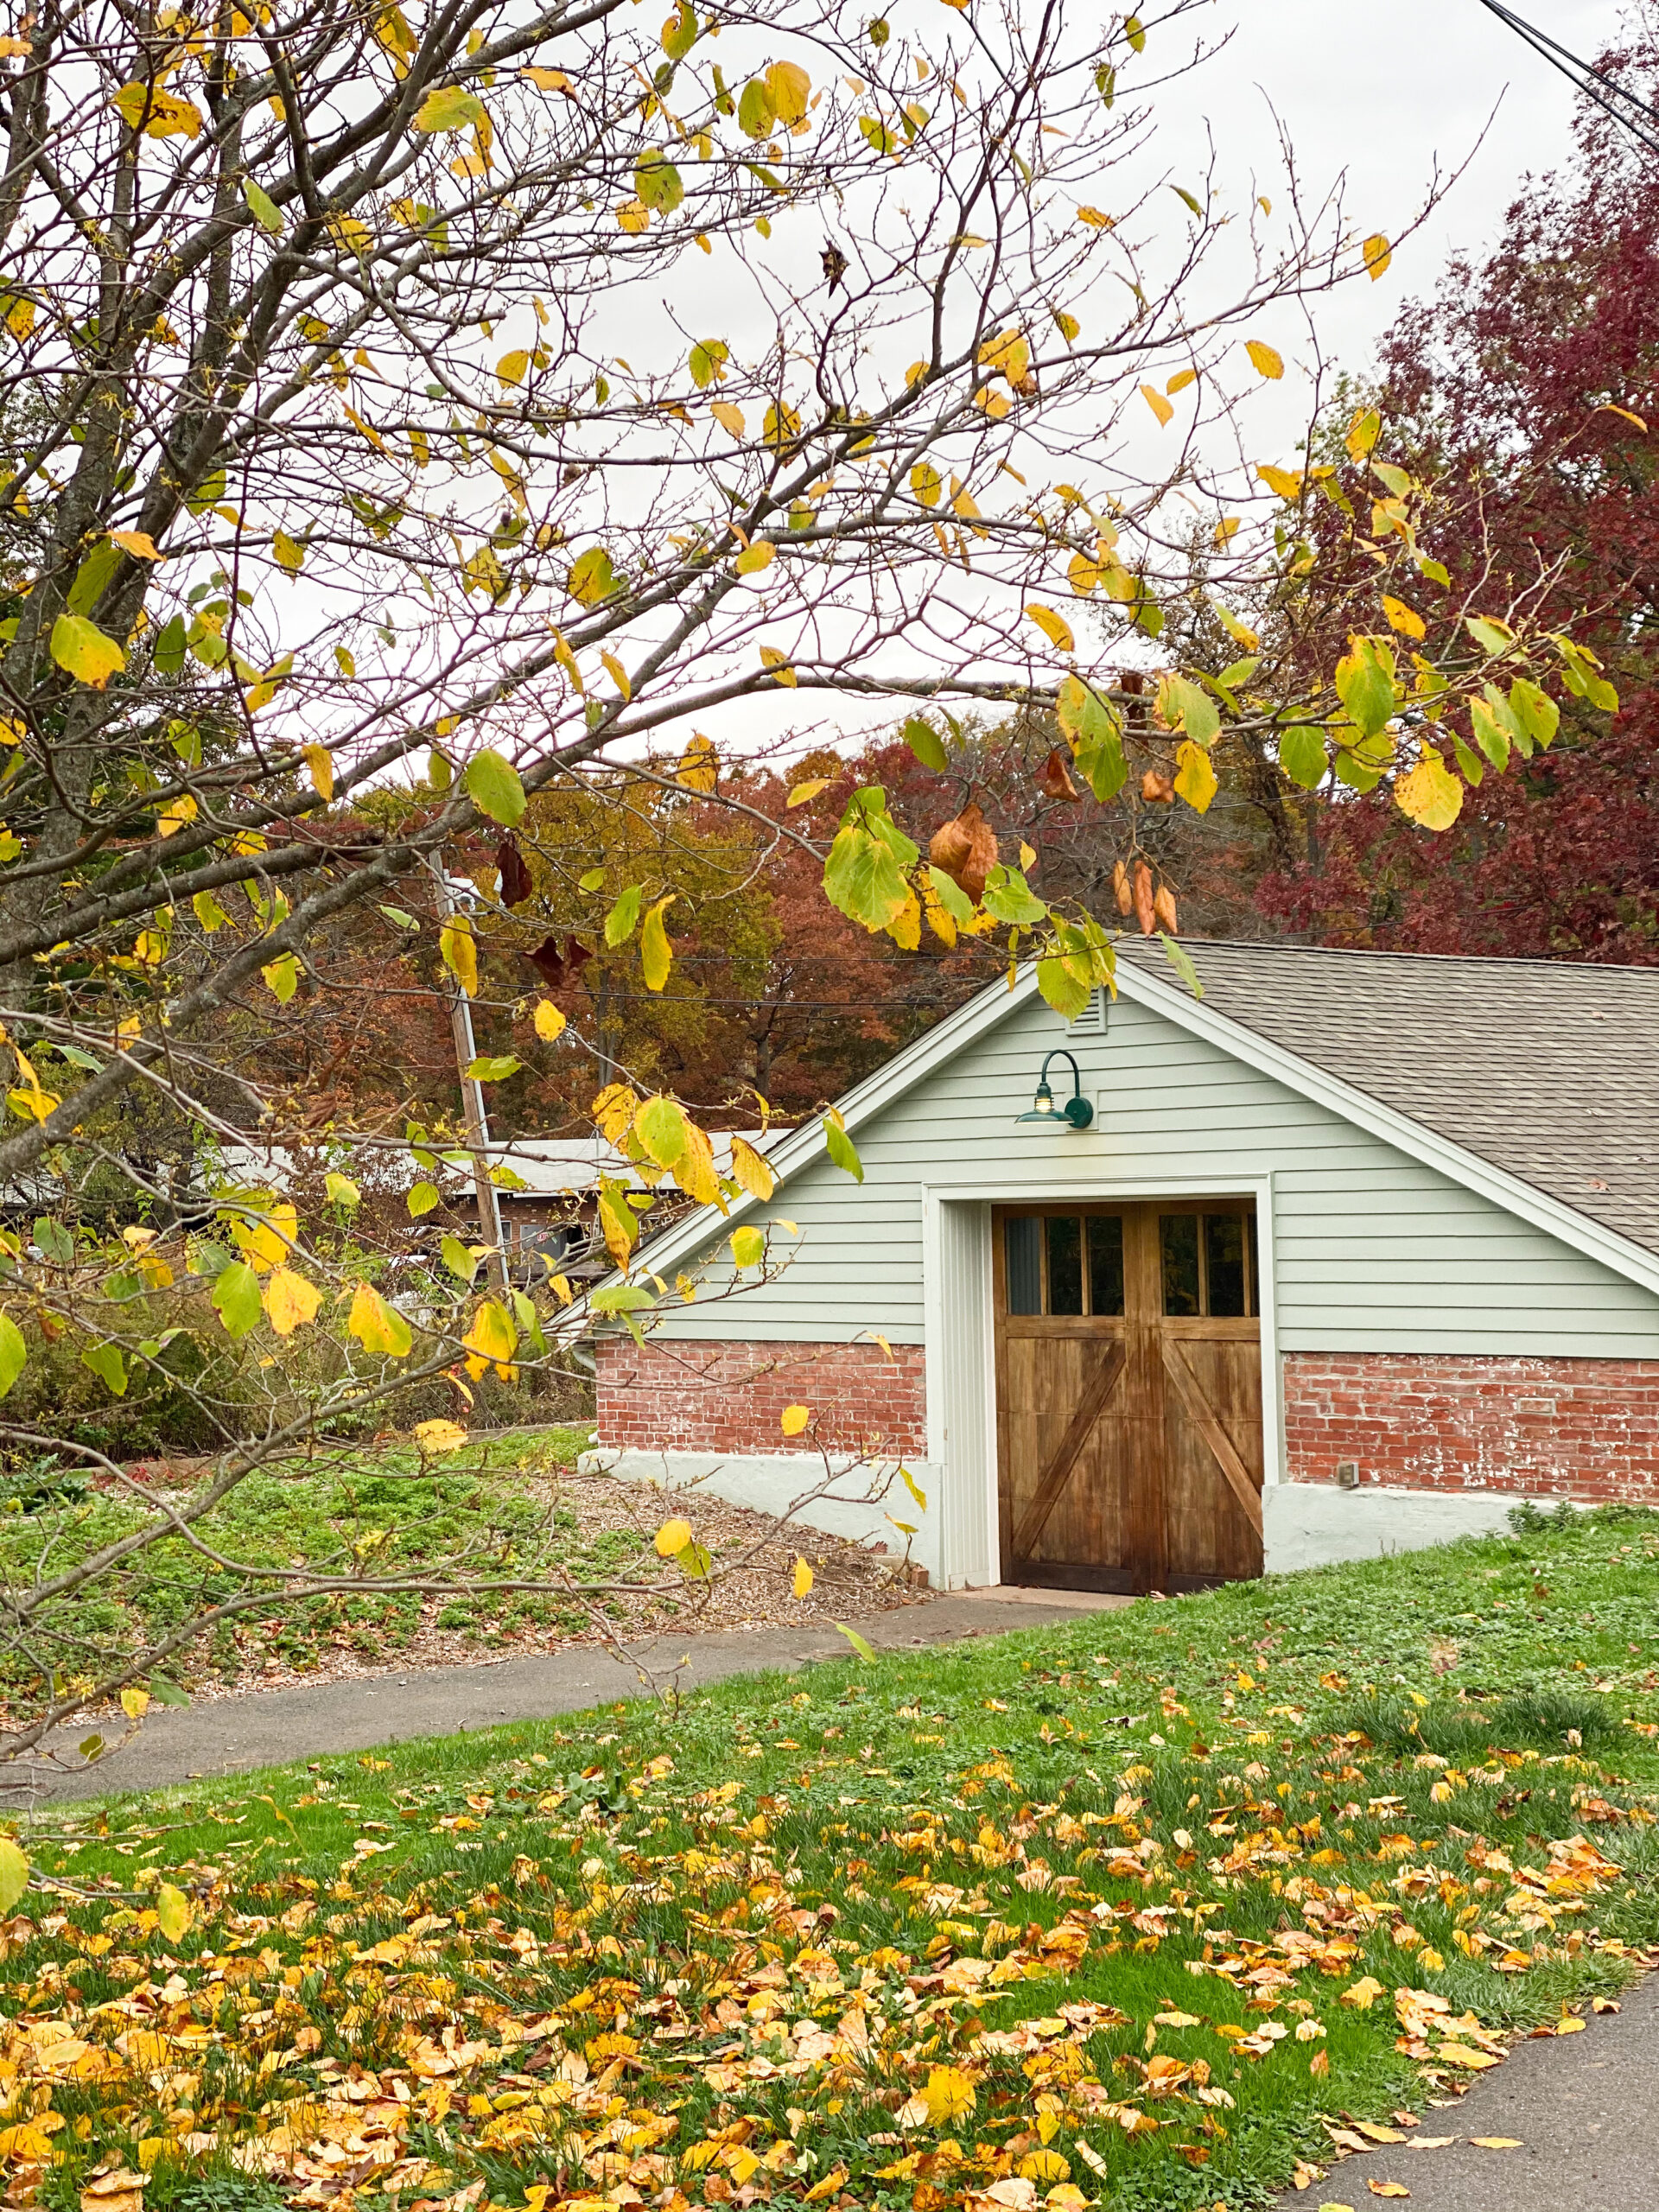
point(1372, 1250)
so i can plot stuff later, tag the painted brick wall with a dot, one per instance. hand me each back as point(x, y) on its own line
point(685, 1396)
point(1581, 1428)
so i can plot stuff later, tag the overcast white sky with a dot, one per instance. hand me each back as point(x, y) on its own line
point(1382, 88)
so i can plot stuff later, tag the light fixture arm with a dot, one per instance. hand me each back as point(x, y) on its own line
point(1077, 1113)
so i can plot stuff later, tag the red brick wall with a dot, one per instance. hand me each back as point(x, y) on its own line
point(1582, 1428)
point(678, 1396)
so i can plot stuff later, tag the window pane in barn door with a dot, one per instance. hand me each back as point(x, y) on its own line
point(1105, 1263)
point(1225, 1267)
point(1022, 1250)
point(1064, 1263)
point(1179, 1236)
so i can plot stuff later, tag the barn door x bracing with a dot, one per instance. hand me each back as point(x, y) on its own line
point(1128, 1390)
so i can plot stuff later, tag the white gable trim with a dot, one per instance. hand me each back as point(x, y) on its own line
point(990, 1007)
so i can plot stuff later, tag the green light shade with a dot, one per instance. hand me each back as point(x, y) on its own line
point(1075, 1113)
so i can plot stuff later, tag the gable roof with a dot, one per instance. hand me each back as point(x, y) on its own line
point(1548, 1069)
point(1490, 1071)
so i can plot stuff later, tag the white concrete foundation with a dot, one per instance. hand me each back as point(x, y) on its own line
point(857, 1500)
point(1315, 1524)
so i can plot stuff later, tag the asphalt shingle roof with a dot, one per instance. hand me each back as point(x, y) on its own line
point(1548, 1069)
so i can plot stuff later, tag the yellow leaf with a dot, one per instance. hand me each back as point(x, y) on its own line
point(513, 368)
point(321, 762)
point(436, 1436)
point(1378, 255)
point(1092, 218)
point(1053, 627)
point(1363, 1994)
point(832, 2182)
point(1008, 354)
point(754, 558)
point(134, 1702)
point(1388, 2188)
point(1195, 779)
point(1180, 380)
point(924, 484)
point(14, 1873)
point(751, 1171)
point(549, 1022)
point(803, 1579)
point(139, 542)
point(173, 1911)
point(799, 793)
point(291, 1301)
point(1430, 793)
point(778, 663)
point(729, 418)
point(1266, 361)
point(699, 768)
point(548, 80)
point(1044, 2165)
point(949, 2094)
point(788, 88)
point(493, 1336)
point(459, 949)
point(1082, 575)
point(1160, 406)
point(81, 649)
point(633, 216)
point(794, 1420)
point(376, 1327)
point(673, 1537)
point(618, 674)
point(1404, 619)
point(1280, 481)
point(1499, 2142)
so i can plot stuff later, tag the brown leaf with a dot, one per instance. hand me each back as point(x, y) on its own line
point(965, 850)
point(516, 883)
point(1160, 789)
point(1120, 889)
point(558, 967)
point(1163, 907)
point(1054, 778)
point(1144, 906)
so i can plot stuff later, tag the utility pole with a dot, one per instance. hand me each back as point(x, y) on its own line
point(1633, 114)
point(474, 1116)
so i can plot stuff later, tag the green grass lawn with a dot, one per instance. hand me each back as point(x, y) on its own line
point(376, 1510)
point(1136, 1912)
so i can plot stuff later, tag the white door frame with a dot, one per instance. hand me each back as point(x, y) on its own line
point(959, 1326)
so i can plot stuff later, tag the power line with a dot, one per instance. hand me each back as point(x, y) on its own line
point(1633, 114)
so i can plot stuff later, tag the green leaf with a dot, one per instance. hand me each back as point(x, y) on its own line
point(660, 1126)
point(14, 1873)
point(167, 654)
point(1185, 706)
point(1487, 719)
point(926, 744)
point(207, 493)
point(755, 114)
point(174, 1912)
point(340, 1190)
point(13, 1354)
point(449, 108)
point(657, 182)
point(844, 1153)
point(165, 1692)
point(263, 208)
point(592, 579)
point(1181, 961)
point(106, 1362)
point(1534, 711)
point(81, 649)
point(1091, 727)
point(91, 575)
point(1365, 684)
point(627, 1300)
point(236, 1297)
point(1491, 636)
point(459, 1262)
point(1009, 898)
point(692, 1560)
point(858, 1643)
point(421, 1198)
point(706, 360)
point(951, 896)
point(1301, 755)
point(748, 1247)
point(864, 876)
point(624, 916)
point(680, 32)
point(493, 1067)
point(1065, 989)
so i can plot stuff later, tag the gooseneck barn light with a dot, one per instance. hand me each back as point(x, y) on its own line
point(1075, 1113)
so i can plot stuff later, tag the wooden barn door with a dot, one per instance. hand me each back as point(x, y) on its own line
point(1128, 1394)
